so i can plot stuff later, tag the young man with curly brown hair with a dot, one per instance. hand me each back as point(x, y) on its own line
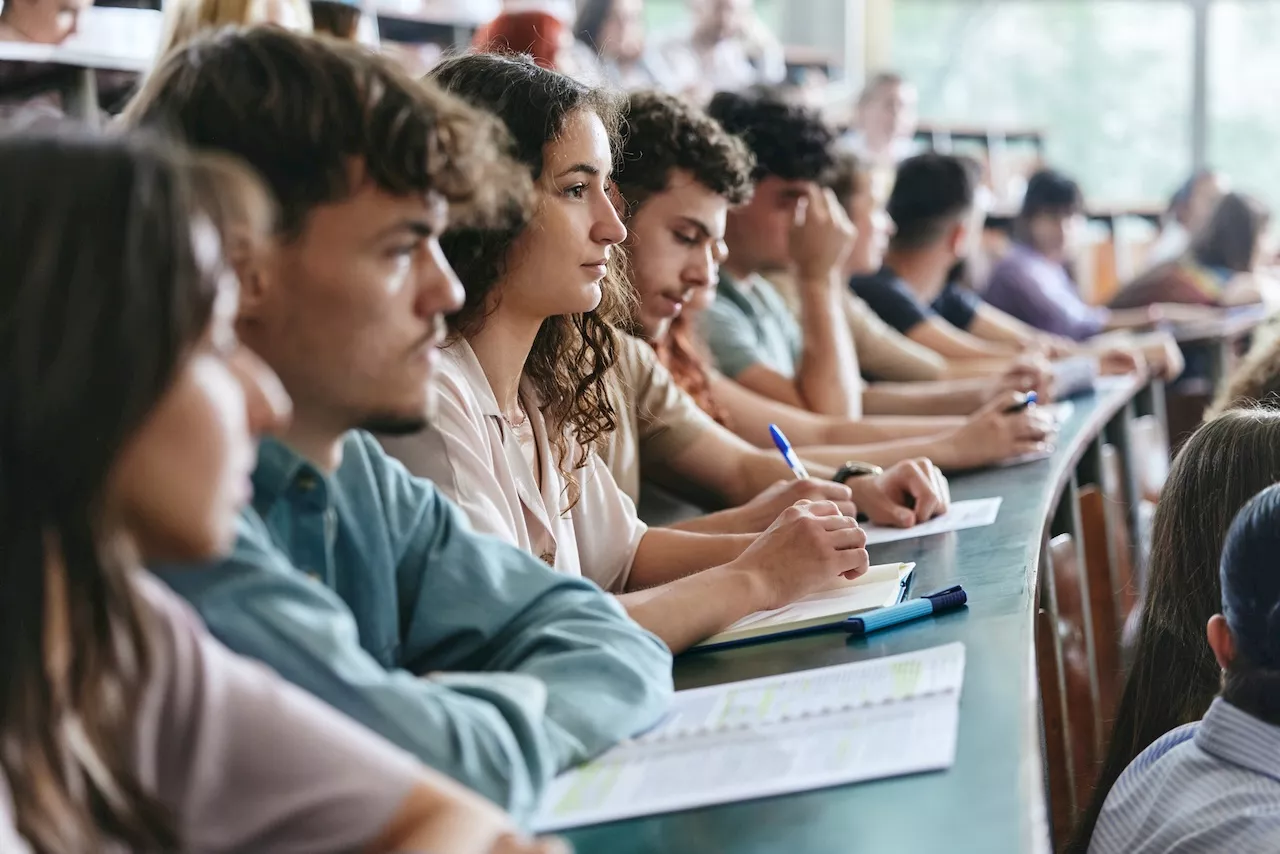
point(350, 577)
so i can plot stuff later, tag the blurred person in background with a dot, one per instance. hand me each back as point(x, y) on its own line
point(539, 34)
point(31, 93)
point(610, 46)
point(884, 128)
point(337, 18)
point(1219, 266)
point(1189, 211)
point(40, 21)
point(184, 19)
point(728, 49)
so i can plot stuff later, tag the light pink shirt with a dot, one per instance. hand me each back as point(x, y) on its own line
point(474, 457)
point(245, 761)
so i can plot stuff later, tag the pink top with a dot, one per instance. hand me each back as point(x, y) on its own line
point(246, 761)
point(475, 458)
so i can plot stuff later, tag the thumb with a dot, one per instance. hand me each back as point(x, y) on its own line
point(904, 517)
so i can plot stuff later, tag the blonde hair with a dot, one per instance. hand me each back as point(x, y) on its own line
point(185, 18)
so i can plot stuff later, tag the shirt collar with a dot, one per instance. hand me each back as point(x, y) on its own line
point(466, 367)
point(1235, 736)
point(279, 467)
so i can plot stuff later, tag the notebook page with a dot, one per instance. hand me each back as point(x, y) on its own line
point(974, 513)
point(878, 587)
point(859, 744)
point(773, 699)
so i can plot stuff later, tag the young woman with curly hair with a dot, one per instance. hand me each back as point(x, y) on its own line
point(524, 391)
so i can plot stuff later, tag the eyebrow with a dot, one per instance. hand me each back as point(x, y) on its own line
point(584, 168)
point(700, 225)
point(417, 226)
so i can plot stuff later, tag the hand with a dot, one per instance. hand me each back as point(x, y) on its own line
point(821, 236)
point(906, 494)
point(1056, 346)
point(510, 844)
point(1027, 373)
point(993, 434)
point(760, 512)
point(1163, 355)
point(1116, 361)
point(807, 548)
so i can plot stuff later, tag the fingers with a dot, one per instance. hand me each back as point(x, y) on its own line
point(819, 508)
point(1001, 402)
point(822, 490)
point(859, 562)
point(942, 488)
point(838, 523)
point(921, 487)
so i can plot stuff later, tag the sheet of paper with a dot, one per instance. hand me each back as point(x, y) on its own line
point(1060, 412)
point(976, 513)
point(853, 744)
point(875, 589)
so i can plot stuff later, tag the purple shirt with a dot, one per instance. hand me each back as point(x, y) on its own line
point(245, 761)
point(1039, 292)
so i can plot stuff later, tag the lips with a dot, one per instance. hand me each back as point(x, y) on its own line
point(669, 305)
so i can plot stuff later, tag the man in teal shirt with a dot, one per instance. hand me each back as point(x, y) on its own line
point(352, 578)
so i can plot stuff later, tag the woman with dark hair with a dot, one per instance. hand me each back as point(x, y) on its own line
point(1189, 210)
point(1174, 675)
point(1217, 269)
point(126, 437)
point(524, 401)
point(1214, 784)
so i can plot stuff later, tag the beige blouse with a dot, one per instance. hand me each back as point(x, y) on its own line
point(474, 456)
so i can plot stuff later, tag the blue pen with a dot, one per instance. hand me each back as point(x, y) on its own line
point(788, 453)
point(1028, 400)
point(882, 618)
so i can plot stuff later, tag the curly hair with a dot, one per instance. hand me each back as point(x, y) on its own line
point(789, 141)
point(663, 133)
point(300, 109)
point(572, 355)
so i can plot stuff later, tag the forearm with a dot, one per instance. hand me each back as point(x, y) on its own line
point(881, 428)
point(691, 609)
point(963, 369)
point(440, 815)
point(1128, 318)
point(956, 397)
point(994, 325)
point(666, 555)
point(827, 379)
point(884, 454)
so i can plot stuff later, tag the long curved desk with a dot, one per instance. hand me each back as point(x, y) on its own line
point(993, 800)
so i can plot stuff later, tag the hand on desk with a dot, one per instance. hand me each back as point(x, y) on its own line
point(994, 434)
point(760, 512)
point(1117, 361)
point(906, 494)
point(808, 545)
point(1027, 373)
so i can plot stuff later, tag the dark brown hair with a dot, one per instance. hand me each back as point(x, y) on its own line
point(90, 340)
point(664, 133)
point(789, 141)
point(1256, 382)
point(682, 354)
point(1175, 677)
point(301, 110)
point(1229, 240)
point(572, 354)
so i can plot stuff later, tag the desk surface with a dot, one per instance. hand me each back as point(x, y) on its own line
point(992, 800)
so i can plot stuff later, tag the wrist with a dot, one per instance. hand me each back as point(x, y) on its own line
point(745, 583)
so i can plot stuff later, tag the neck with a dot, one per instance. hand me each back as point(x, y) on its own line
point(737, 268)
point(924, 272)
point(315, 438)
point(502, 347)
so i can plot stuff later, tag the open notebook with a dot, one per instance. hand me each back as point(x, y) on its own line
point(774, 736)
point(878, 587)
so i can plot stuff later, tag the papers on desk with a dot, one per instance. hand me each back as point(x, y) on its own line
point(1060, 412)
point(774, 736)
point(878, 587)
point(976, 513)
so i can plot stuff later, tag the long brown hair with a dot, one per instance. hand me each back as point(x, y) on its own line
point(572, 354)
point(1175, 677)
point(682, 354)
point(90, 340)
point(1229, 240)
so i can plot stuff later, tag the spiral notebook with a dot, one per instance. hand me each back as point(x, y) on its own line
point(774, 736)
point(878, 587)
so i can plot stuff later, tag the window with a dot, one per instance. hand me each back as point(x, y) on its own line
point(1107, 81)
point(1244, 77)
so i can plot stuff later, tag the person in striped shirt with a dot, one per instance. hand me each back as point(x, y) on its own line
point(1214, 785)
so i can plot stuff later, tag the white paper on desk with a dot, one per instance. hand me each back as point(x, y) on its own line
point(975, 513)
point(1060, 412)
point(843, 724)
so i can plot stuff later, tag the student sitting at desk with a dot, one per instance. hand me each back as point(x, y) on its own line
point(125, 726)
point(1217, 269)
point(675, 250)
point(1214, 784)
point(350, 577)
point(184, 19)
point(1174, 675)
point(677, 196)
point(1189, 211)
point(524, 387)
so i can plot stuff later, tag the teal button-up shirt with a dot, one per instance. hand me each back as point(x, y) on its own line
point(368, 589)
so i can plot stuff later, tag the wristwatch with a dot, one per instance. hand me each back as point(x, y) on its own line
point(853, 468)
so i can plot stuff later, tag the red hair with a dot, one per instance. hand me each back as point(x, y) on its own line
point(539, 34)
point(681, 353)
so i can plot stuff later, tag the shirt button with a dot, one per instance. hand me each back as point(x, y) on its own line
point(306, 482)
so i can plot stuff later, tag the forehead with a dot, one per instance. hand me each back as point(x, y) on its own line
point(369, 210)
point(583, 141)
point(685, 196)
